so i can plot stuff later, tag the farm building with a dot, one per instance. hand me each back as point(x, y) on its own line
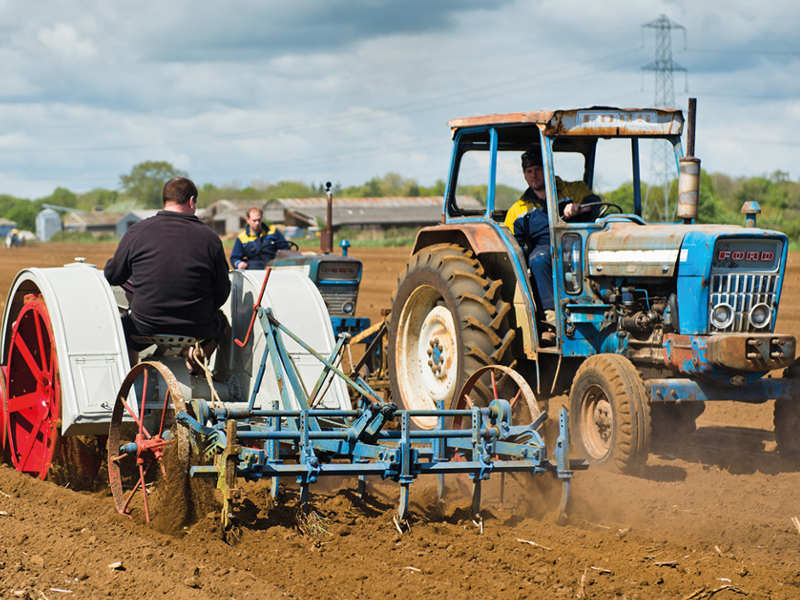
point(6, 226)
point(96, 222)
point(376, 213)
point(227, 216)
point(48, 223)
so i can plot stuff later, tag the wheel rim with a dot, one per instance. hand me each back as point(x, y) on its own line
point(140, 453)
point(33, 402)
point(596, 423)
point(524, 408)
point(427, 361)
point(3, 412)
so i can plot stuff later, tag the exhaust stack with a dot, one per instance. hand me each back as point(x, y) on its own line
point(326, 237)
point(689, 172)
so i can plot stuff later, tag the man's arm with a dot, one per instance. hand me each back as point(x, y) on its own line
point(517, 209)
point(237, 254)
point(222, 283)
point(280, 241)
point(118, 268)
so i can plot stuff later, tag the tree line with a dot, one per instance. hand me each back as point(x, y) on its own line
point(721, 195)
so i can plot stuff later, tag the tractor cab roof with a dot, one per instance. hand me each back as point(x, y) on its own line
point(591, 121)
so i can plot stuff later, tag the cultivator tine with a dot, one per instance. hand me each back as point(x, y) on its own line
point(362, 486)
point(502, 488)
point(476, 498)
point(304, 497)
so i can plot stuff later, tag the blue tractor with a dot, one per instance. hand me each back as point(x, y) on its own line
point(337, 277)
point(651, 320)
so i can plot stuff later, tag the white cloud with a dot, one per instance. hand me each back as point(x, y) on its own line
point(62, 39)
point(244, 90)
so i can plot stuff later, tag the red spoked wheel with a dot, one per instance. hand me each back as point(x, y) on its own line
point(148, 452)
point(502, 382)
point(32, 406)
point(3, 414)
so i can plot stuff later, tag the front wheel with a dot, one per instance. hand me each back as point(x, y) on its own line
point(610, 413)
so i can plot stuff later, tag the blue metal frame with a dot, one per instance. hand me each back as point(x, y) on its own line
point(313, 437)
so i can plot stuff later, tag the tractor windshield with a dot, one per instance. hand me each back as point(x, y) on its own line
point(629, 172)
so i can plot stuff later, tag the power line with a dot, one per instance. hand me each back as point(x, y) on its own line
point(663, 67)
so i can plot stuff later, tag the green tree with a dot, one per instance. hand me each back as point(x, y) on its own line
point(146, 179)
point(61, 197)
point(23, 213)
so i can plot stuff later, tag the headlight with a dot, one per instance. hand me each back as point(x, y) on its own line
point(722, 316)
point(759, 315)
point(347, 307)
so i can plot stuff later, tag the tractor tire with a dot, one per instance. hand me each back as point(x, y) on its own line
point(448, 319)
point(786, 419)
point(610, 413)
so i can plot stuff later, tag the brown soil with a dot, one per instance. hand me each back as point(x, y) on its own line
point(710, 516)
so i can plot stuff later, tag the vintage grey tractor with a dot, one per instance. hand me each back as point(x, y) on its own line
point(652, 320)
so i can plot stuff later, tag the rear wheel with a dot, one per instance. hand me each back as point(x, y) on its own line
point(33, 400)
point(447, 321)
point(609, 412)
point(148, 452)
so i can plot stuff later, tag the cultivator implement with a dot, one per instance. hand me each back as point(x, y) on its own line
point(297, 438)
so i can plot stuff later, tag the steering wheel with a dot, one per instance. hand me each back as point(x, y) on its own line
point(292, 245)
point(601, 209)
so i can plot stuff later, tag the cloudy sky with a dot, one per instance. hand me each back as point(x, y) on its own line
point(246, 91)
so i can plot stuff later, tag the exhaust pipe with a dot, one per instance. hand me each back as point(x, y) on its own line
point(689, 172)
point(326, 237)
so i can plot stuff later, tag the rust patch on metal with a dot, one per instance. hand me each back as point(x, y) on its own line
point(567, 122)
point(751, 351)
point(481, 237)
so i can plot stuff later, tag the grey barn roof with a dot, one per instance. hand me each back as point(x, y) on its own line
point(386, 210)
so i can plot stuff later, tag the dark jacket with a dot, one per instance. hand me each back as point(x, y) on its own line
point(176, 268)
point(257, 250)
point(532, 229)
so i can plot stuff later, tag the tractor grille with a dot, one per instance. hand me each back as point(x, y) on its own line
point(742, 291)
point(336, 296)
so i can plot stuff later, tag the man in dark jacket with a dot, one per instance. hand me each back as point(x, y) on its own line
point(175, 267)
point(257, 244)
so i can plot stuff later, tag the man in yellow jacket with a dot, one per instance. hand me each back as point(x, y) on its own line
point(527, 219)
point(534, 196)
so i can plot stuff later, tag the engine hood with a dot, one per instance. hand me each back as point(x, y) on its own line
point(627, 248)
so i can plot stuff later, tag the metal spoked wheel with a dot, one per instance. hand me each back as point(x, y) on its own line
point(3, 415)
point(32, 406)
point(148, 452)
point(524, 408)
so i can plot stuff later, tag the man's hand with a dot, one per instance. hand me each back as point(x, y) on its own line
point(242, 265)
point(570, 210)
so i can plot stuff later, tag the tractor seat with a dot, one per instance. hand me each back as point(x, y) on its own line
point(167, 344)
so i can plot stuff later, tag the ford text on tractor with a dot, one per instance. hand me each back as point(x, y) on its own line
point(651, 320)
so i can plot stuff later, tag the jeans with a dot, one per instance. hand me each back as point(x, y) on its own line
point(541, 267)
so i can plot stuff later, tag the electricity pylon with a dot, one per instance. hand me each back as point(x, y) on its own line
point(663, 160)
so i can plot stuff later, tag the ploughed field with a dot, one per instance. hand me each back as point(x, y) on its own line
point(711, 516)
